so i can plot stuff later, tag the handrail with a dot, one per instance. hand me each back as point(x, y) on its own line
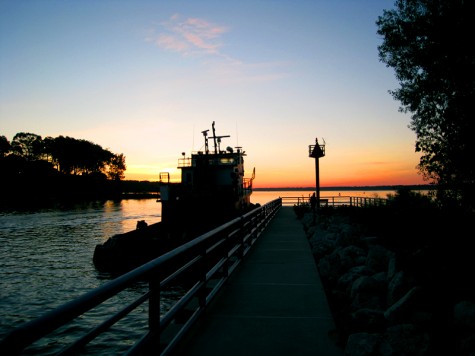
point(340, 200)
point(203, 263)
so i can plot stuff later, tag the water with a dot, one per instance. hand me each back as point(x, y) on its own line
point(46, 256)
point(46, 260)
point(264, 196)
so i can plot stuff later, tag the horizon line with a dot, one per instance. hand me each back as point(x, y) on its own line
point(354, 187)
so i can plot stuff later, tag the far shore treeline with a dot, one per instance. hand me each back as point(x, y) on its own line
point(38, 171)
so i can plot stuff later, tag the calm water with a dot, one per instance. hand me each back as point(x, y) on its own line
point(263, 197)
point(46, 260)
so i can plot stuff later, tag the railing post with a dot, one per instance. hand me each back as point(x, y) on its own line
point(202, 273)
point(254, 228)
point(225, 255)
point(262, 221)
point(242, 233)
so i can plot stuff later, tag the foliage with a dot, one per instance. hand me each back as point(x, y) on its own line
point(27, 145)
point(68, 155)
point(429, 44)
point(116, 167)
point(5, 146)
point(423, 233)
point(61, 168)
point(427, 242)
point(302, 209)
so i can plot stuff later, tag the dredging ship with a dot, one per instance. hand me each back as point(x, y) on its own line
point(212, 190)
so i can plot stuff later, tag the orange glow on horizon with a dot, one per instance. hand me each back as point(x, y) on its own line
point(268, 181)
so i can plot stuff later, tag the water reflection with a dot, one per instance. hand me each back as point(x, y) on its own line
point(46, 256)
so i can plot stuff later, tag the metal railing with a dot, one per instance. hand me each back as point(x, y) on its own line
point(316, 153)
point(203, 265)
point(335, 201)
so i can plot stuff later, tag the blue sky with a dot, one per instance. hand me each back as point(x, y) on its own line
point(144, 78)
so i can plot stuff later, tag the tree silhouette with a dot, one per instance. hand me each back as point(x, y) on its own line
point(27, 145)
point(429, 44)
point(80, 157)
point(116, 167)
point(57, 168)
point(5, 146)
point(47, 146)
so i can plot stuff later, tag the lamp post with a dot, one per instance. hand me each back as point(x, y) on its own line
point(316, 151)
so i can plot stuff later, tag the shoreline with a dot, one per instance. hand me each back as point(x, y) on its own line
point(352, 188)
point(151, 195)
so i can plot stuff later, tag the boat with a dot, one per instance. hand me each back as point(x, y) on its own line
point(212, 191)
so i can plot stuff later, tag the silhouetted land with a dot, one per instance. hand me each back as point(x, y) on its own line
point(55, 190)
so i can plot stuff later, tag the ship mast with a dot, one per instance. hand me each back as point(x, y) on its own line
point(216, 140)
point(205, 134)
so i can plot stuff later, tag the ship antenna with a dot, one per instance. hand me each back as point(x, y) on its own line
point(205, 134)
point(214, 139)
point(237, 135)
point(217, 140)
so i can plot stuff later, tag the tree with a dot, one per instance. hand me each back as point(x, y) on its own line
point(5, 146)
point(116, 167)
point(78, 157)
point(48, 144)
point(60, 150)
point(27, 145)
point(429, 44)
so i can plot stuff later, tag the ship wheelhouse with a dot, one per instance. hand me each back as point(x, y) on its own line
point(211, 180)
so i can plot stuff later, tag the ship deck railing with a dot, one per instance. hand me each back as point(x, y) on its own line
point(221, 158)
point(247, 183)
point(203, 265)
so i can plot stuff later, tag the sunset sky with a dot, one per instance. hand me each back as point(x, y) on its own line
point(144, 78)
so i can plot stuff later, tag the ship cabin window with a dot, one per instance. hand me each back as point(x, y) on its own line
point(229, 160)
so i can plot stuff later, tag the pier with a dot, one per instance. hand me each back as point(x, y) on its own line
point(274, 304)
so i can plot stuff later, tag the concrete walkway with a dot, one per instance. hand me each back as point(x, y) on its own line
point(273, 304)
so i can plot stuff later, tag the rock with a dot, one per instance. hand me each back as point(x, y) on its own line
point(368, 320)
point(464, 315)
point(377, 304)
point(399, 310)
point(378, 258)
point(345, 282)
point(397, 287)
point(367, 285)
point(404, 339)
point(464, 325)
point(362, 344)
point(351, 256)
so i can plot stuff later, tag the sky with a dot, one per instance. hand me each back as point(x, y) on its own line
point(145, 78)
